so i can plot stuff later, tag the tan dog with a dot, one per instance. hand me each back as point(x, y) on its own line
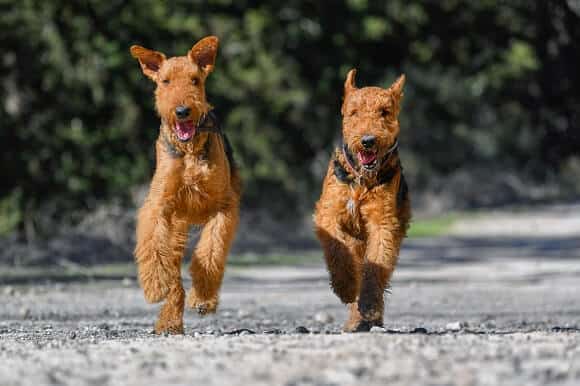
point(195, 183)
point(364, 210)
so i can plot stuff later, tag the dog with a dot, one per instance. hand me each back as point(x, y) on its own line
point(195, 183)
point(364, 210)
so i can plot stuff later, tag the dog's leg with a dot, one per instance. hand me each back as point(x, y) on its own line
point(209, 260)
point(356, 322)
point(343, 255)
point(153, 252)
point(156, 241)
point(381, 258)
point(170, 318)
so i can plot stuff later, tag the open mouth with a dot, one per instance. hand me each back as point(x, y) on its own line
point(184, 130)
point(368, 159)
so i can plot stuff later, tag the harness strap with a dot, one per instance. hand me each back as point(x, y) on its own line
point(209, 123)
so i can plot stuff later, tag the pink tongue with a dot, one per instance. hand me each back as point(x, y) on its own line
point(366, 158)
point(185, 129)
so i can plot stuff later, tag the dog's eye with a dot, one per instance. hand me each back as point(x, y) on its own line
point(352, 113)
point(195, 81)
point(384, 112)
point(165, 81)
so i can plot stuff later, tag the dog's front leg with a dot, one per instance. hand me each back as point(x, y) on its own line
point(153, 251)
point(160, 235)
point(161, 238)
point(380, 261)
point(170, 318)
point(343, 255)
point(209, 260)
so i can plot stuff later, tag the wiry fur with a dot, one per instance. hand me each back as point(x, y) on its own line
point(362, 216)
point(194, 184)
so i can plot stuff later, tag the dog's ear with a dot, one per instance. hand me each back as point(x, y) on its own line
point(397, 87)
point(149, 60)
point(203, 53)
point(349, 83)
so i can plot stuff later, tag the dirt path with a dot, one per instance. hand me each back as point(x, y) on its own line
point(463, 311)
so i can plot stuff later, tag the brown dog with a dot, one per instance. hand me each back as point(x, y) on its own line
point(195, 183)
point(363, 213)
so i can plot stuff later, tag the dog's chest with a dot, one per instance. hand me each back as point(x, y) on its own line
point(353, 201)
point(196, 172)
point(204, 184)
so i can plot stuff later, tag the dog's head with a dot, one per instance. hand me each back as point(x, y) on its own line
point(180, 95)
point(370, 124)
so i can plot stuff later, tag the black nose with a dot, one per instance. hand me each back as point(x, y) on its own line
point(182, 112)
point(368, 141)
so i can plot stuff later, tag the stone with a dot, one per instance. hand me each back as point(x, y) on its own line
point(455, 326)
point(323, 317)
point(301, 330)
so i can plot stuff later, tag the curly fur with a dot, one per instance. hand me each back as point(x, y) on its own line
point(362, 215)
point(194, 183)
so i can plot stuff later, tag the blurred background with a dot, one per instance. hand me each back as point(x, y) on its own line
point(490, 117)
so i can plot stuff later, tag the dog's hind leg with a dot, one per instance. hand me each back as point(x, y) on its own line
point(209, 259)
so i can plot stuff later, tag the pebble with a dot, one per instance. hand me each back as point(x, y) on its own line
point(9, 290)
point(301, 330)
point(489, 325)
point(275, 331)
point(242, 313)
point(25, 312)
point(455, 326)
point(323, 317)
point(378, 330)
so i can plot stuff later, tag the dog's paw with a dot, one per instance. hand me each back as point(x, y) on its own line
point(369, 311)
point(202, 306)
point(168, 328)
point(359, 326)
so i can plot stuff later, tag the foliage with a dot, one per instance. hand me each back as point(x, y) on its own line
point(489, 82)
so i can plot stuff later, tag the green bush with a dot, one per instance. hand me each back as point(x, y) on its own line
point(490, 82)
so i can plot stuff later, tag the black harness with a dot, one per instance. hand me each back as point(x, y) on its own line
point(209, 123)
point(385, 176)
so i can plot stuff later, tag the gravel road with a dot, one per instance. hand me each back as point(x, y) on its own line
point(465, 310)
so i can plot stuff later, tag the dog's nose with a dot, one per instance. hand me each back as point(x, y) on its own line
point(368, 141)
point(182, 112)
